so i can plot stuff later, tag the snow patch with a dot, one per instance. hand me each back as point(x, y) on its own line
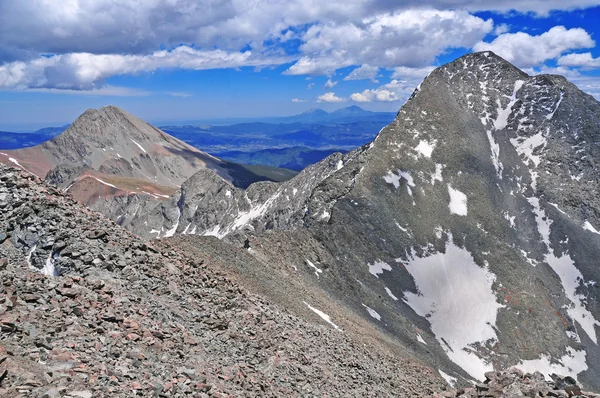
point(378, 267)
point(456, 297)
point(16, 162)
point(449, 379)
point(372, 312)
point(458, 202)
point(550, 116)
point(569, 275)
point(141, 147)
point(104, 182)
point(589, 227)
point(49, 269)
point(317, 269)
point(495, 148)
point(420, 339)
point(389, 292)
point(571, 364)
point(395, 179)
point(339, 165)
point(526, 146)
point(29, 256)
point(426, 148)
point(214, 231)
point(503, 113)
point(438, 174)
point(172, 231)
point(323, 315)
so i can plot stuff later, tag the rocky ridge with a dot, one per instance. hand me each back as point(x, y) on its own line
point(124, 317)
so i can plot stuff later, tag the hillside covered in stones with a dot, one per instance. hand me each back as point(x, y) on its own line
point(87, 309)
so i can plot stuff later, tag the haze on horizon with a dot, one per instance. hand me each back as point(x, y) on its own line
point(191, 60)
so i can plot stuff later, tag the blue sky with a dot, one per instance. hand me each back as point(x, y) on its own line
point(167, 60)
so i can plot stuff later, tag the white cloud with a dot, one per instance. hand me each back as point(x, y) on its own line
point(330, 97)
point(106, 91)
point(525, 50)
point(585, 60)
point(87, 37)
point(363, 72)
point(501, 29)
point(410, 38)
point(414, 74)
point(310, 85)
point(396, 90)
point(298, 100)
point(84, 71)
point(140, 27)
point(330, 83)
point(374, 95)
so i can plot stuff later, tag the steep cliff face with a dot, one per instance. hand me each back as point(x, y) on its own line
point(468, 229)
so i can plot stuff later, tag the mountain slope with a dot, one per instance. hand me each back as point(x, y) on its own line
point(89, 309)
point(468, 229)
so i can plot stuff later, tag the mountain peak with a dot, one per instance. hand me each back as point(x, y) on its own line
point(315, 111)
point(352, 110)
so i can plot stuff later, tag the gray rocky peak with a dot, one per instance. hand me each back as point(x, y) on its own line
point(468, 229)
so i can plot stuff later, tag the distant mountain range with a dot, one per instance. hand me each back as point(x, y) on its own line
point(349, 114)
point(267, 141)
point(9, 140)
point(293, 158)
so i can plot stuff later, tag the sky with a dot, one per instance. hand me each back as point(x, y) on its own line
point(173, 60)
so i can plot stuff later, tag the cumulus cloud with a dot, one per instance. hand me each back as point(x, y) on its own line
point(330, 83)
point(415, 74)
point(525, 50)
point(363, 72)
point(374, 95)
point(298, 100)
point(330, 97)
point(410, 38)
point(84, 71)
point(140, 27)
point(585, 60)
point(84, 37)
point(395, 90)
point(501, 29)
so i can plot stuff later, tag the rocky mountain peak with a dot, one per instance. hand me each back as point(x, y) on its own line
point(469, 226)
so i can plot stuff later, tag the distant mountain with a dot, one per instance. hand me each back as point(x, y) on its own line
point(111, 160)
point(10, 140)
point(354, 111)
point(52, 131)
point(294, 158)
point(249, 137)
point(345, 115)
